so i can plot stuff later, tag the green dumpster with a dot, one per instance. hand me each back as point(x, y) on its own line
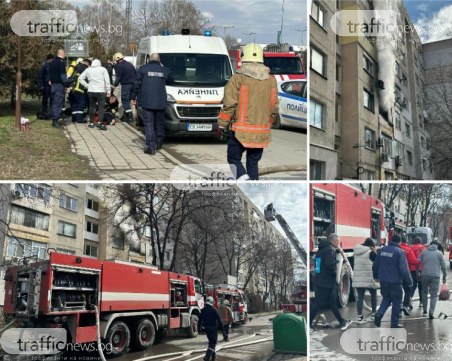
point(289, 334)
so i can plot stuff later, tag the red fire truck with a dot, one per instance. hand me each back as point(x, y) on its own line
point(353, 215)
point(283, 65)
point(236, 298)
point(136, 303)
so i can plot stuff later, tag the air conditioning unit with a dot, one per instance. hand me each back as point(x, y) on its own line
point(398, 161)
point(385, 157)
point(16, 194)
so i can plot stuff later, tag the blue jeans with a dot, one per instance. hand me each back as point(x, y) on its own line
point(154, 127)
point(253, 156)
point(58, 93)
point(392, 294)
point(125, 97)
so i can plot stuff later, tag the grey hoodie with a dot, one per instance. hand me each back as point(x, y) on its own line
point(432, 262)
point(96, 78)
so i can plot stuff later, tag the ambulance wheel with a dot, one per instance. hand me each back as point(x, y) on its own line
point(118, 336)
point(144, 336)
point(193, 329)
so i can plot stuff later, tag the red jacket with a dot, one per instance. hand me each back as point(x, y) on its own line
point(413, 262)
point(417, 249)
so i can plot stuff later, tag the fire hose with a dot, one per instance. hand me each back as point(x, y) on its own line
point(232, 344)
point(99, 344)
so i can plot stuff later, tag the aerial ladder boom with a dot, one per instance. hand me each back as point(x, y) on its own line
point(271, 215)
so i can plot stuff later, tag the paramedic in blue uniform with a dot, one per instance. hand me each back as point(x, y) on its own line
point(149, 88)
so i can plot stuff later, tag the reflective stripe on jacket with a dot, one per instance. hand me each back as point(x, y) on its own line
point(250, 105)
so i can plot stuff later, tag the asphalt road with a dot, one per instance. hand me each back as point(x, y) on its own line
point(284, 159)
point(426, 340)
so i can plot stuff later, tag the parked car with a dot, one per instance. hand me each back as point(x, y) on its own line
point(293, 107)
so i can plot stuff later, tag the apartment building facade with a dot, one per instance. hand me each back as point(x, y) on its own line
point(437, 58)
point(379, 120)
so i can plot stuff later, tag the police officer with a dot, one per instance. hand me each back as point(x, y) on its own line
point(391, 268)
point(149, 86)
point(210, 320)
point(226, 317)
point(58, 80)
point(125, 75)
point(43, 82)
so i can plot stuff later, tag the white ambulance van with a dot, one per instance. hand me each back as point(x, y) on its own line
point(200, 68)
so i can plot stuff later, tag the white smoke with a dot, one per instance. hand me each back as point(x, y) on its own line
point(386, 56)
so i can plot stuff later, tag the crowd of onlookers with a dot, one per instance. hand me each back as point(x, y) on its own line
point(397, 270)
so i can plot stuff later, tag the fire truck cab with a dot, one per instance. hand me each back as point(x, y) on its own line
point(135, 303)
point(236, 298)
point(354, 216)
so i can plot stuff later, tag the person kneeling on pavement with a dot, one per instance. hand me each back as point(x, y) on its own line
point(391, 268)
point(210, 321)
point(227, 318)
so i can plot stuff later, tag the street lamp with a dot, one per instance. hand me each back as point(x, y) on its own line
point(302, 32)
point(249, 34)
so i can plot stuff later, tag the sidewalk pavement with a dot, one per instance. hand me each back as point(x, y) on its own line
point(117, 154)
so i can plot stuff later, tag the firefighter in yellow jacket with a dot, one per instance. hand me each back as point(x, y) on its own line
point(227, 318)
point(250, 106)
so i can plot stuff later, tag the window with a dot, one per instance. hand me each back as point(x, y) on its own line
point(29, 218)
point(317, 114)
point(409, 157)
point(65, 251)
point(423, 142)
point(387, 144)
point(424, 165)
point(318, 14)
point(93, 205)
point(92, 227)
point(38, 191)
point(90, 249)
point(19, 247)
point(369, 139)
point(421, 122)
point(397, 68)
point(368, 100)
point(297, 88)
point(368, 175)
point(407, 130)
point(67, 229)
point(368, 65)
point(118, 239)
point(398, 123)
point(317, 170)
point(318, 62)
point(68, 203)
point(338, 72)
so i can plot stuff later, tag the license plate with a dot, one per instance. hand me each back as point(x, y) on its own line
point(199, 127)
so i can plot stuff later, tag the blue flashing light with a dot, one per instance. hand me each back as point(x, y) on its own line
point(207, 32)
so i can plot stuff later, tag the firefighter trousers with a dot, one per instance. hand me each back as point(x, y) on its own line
point(212, 336)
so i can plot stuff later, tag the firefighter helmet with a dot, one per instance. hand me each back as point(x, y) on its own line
point(118, 56)
point(252, 53)
point(226, 302)
point(209, 300)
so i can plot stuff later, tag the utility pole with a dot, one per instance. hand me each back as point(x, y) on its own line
point(128, 18)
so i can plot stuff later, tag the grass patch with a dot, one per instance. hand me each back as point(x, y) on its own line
point(43, 153)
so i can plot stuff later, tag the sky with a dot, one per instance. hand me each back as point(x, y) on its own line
point(262, 17)
point(432, 19)
point(289, 200)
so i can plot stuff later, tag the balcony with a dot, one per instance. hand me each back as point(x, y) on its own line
point(91, 213)
point(91, 236)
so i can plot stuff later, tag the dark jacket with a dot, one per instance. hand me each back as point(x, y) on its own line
point(391, 265)
point(44, 75)
point(325, 265)
point(125, 73)
point(149, 86)
point(210, 317)
point(57, 71)
point(74, 79)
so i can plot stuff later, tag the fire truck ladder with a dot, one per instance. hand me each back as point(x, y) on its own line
point(271, 215)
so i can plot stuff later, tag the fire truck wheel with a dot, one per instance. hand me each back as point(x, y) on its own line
point(118, 336)
point(193, 329)
point(344, 288)
point(144, 334)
